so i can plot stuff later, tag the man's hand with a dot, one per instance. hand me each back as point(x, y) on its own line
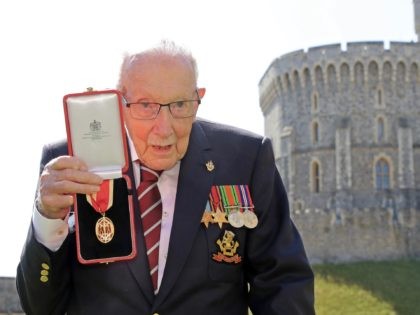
point(61, 178)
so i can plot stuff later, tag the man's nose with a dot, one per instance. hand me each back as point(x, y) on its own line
point(163, 122)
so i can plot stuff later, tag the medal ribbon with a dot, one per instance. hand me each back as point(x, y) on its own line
point(224, 198)
point(243, 202)
point(232, 197)
point(235, 195)
point(103, 199)
point(214, 198)
point(246, 197)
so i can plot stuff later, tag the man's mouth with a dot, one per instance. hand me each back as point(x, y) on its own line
point(162, 147)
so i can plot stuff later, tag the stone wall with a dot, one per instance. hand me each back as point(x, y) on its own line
point(9, 300)
point(359, 234)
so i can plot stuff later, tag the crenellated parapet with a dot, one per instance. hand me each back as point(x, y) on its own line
point(367, 83)
point(333, 67)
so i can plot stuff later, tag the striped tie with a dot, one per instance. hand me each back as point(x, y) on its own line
point(151, 216)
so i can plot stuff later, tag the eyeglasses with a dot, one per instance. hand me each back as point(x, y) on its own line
point(150, 110)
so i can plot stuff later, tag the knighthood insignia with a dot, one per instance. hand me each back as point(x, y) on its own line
point(227, 249)
point(230, 204)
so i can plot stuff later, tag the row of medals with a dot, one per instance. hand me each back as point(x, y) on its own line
point(105, 228)
point(235, 217)
point(239, 219)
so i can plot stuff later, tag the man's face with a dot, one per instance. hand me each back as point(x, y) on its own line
point(162, 141)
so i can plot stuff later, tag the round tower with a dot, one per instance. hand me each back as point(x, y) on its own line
point(345, 128)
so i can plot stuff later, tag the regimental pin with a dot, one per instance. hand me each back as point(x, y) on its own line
point(228, 247)
point(210, 166)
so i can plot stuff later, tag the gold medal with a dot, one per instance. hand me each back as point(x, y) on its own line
point(207, 218)
point(250, 219)
point(236, 219)
point(104, 229)
point(101, 202)
point(219, 217)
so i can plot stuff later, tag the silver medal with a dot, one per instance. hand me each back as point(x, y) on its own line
point(250, 219)
point(236, 219)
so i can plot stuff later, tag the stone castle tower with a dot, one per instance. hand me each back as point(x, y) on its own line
point(345, 125)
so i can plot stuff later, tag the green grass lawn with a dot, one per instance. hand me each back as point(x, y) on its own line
point(372, 288)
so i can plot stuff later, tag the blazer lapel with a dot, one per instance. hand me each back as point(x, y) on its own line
point(194, 184)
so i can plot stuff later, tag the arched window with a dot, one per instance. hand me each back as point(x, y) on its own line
point(359, 76)
point(382, 174)
point(315, 132)
point(315, 102)
point(380, 101)
point(315, 177)
point(380, 130)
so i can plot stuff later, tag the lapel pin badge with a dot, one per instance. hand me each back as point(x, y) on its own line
point(210, 166)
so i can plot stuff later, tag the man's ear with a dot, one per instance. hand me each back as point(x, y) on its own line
point(201, 92)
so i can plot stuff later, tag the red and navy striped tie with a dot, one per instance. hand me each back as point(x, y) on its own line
point(151, 216)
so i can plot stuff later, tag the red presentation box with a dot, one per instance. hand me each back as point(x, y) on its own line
point(104, 221)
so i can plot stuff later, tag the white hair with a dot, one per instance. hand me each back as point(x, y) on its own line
point(166, 48)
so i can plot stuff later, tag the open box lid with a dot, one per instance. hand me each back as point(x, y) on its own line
point(95, 131)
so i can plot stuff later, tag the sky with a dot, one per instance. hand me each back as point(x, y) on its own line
point(51, 48)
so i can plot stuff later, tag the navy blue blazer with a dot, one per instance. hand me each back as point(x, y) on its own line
point(273, 277)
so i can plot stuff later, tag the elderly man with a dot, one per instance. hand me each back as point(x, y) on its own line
point(226, 240)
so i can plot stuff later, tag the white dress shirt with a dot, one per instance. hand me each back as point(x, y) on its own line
point(52, 232)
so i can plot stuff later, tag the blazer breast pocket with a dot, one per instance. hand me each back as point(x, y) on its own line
point(226, 253)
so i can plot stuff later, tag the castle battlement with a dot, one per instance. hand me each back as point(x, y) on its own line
point(334, 63)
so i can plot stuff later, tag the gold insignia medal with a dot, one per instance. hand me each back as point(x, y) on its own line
point(207, 216)
point(218, 214)
point(228, 247)
point(219, 217)
point(104, 229)
point(101, 202)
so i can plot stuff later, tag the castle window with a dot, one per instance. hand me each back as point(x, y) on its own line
point(400, 79)
point(315, 177)
point(414, 76)
point(380, 130)
point(315, 102)
point(315, 132)
point(359, 75)
point(332, 78)
point(380, 97)
point(382, 174)
point(319, 77)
